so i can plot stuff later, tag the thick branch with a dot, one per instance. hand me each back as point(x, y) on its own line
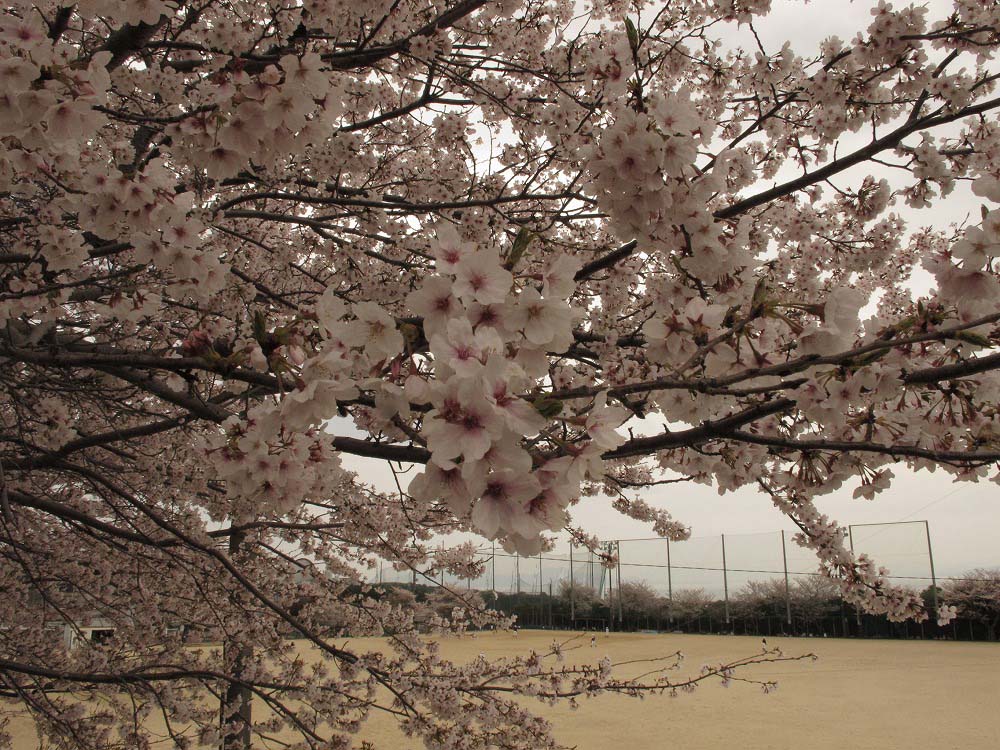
point(843, 446)
point(718, 428)
point(891, 140)
point(606, 261)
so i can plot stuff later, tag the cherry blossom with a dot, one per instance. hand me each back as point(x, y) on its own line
point(479, 277)
point(517, 258)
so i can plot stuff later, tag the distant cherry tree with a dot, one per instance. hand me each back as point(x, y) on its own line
point(688, 605)
point(975, 596)
point(519, 255)
point(808, 598)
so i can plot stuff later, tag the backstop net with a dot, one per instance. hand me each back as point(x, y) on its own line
point(760, 583)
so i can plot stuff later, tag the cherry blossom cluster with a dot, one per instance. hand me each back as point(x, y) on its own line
point(644, 176)
point(487, 350)
point(270, 467)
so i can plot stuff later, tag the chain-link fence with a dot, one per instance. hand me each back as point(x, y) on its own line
point(760, 584)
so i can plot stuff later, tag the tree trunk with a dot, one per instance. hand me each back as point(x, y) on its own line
point(235, 709)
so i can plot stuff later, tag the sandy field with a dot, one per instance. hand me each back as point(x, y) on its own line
point(860, 695)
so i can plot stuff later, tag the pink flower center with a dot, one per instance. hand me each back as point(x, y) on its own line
point(488, 316)
point(495, 490)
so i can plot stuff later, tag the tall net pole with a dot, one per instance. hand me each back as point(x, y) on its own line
point(670, 587)
point(618, 567)
point(850, 540)
point(572, 588)
point(930, 558)
point(788, 596)
point(550, 605)
point(611, 591)
point(725, 578)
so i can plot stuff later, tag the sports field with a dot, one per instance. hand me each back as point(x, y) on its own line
point(859, 695)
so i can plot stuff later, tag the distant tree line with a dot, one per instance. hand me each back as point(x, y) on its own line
point(810, 606)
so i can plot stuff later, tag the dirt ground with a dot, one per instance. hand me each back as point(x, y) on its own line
point(862, 695)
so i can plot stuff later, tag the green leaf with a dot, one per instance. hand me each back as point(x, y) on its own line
point(259, 326)
point(972, 338)
point(633, 35)
point(521, 242)
point(548, 407)
point(759, 294)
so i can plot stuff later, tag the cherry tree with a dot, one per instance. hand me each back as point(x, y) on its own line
point(688, 605)
point(525, 254)
point(810, 598)
point(976, 596)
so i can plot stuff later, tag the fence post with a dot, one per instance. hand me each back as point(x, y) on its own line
point(788, 596)
point(930, 557)
point(517, 571)
point(493, 567)
point(725, 578)
point(572, 588)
